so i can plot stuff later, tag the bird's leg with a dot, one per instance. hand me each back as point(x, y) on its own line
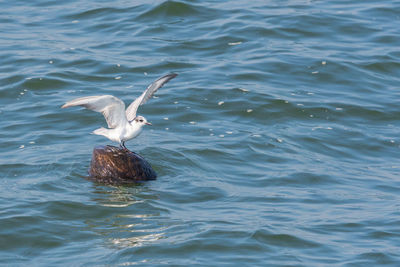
point(122, 145)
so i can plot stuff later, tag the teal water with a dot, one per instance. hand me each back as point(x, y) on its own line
point(277, 144)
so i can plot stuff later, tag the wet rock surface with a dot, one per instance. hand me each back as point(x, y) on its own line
point(116, 165)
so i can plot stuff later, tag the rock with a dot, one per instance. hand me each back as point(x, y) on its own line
point(116, 165)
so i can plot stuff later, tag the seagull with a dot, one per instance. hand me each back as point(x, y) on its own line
point(123, 124)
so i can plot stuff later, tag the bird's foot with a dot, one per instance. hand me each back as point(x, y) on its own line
point(122, 146)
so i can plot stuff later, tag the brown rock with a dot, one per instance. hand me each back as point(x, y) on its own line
point(112, 164)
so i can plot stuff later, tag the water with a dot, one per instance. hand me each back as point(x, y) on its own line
point(277, 144)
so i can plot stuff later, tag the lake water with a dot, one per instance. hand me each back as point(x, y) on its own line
point(277, 145)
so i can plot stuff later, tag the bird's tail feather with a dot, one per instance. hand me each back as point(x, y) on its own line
point(100, 131)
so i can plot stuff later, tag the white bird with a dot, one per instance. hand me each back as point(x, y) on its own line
point(123, 125)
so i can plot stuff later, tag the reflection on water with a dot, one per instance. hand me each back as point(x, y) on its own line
point(132, 220)
point(137, 241)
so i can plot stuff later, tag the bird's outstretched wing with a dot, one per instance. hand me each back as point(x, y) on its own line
point(112, 108)
point(146, 95)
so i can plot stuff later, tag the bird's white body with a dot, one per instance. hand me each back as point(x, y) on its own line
point(121, 134)
point(123, 124)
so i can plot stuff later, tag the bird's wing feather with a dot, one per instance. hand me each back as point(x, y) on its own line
point(112, 108)
point(147, 94)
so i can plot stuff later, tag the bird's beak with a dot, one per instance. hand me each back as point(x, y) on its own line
point(148, 123)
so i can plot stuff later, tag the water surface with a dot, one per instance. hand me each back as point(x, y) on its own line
point(277, 144)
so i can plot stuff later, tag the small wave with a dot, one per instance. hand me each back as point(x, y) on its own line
point(171, 9)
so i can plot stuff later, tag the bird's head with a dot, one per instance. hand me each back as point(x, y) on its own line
point(142, 120)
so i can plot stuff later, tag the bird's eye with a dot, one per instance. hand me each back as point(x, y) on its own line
point(141, 120)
